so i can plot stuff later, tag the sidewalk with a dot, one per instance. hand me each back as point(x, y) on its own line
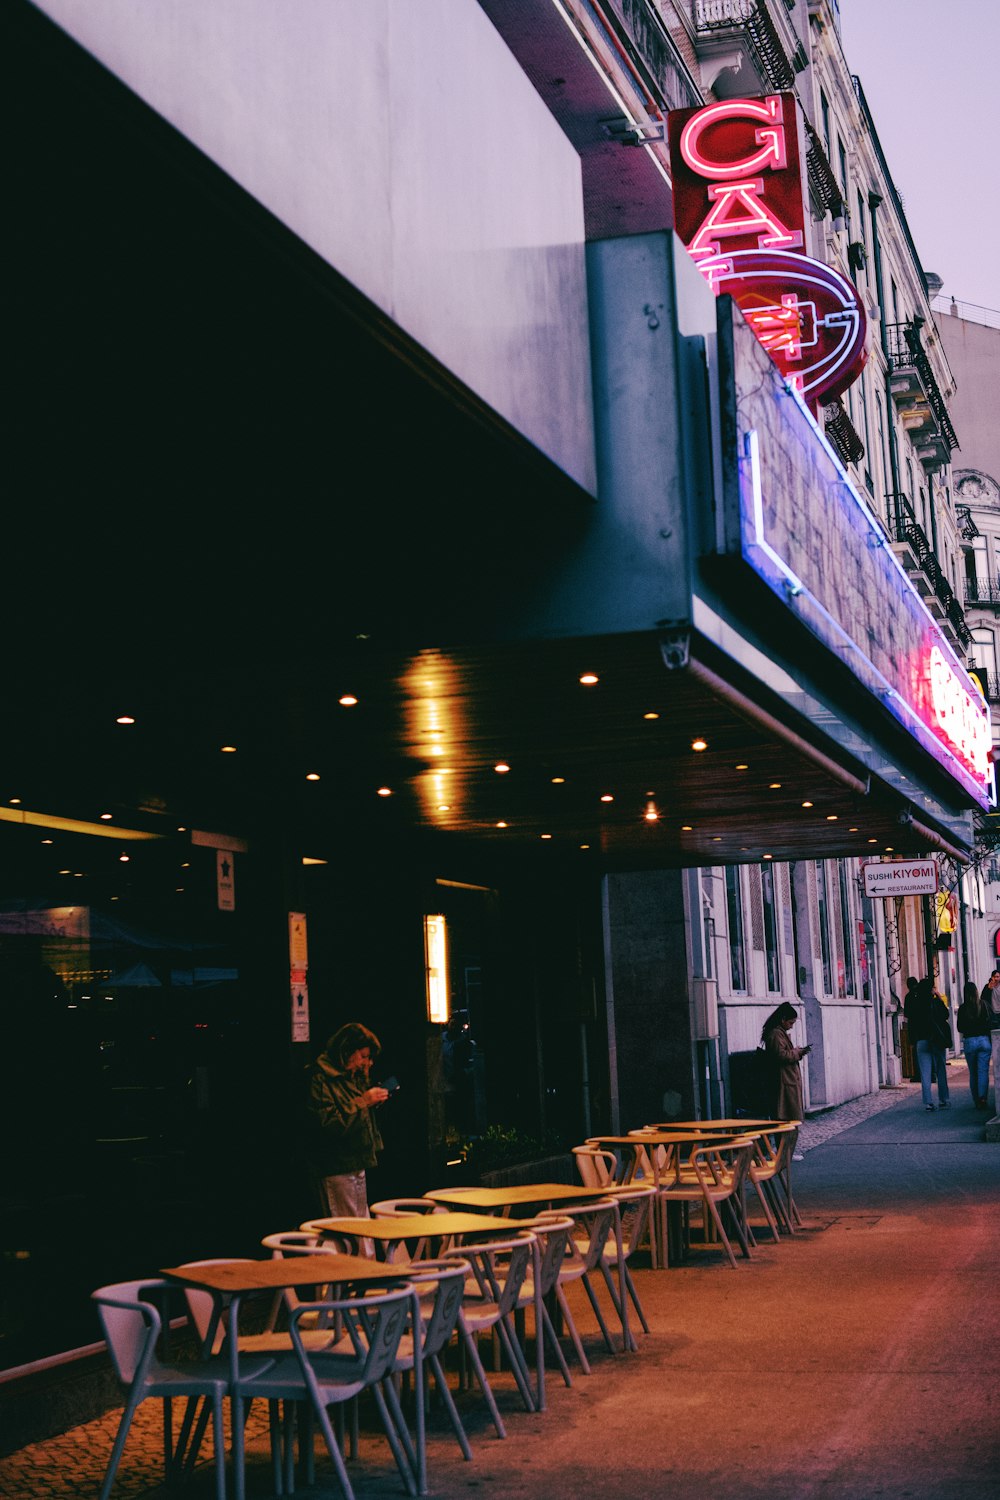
point(858, 1359)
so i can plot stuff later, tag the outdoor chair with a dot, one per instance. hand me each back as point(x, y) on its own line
point(438, 1289)
point(400, 1208)
point(498, 1269)
point(590, 1227)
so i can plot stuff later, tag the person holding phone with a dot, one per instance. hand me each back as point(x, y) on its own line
point(785, 1057)
point(343, 1138)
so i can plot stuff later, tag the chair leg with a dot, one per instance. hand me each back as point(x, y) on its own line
point(333, 1448)
point(391, 1413)
point(469, 1344)
point(517, 1363)
point(549, 1331)
point(119, 1446)
point(449, 1405)
point(219, 1439)
point(597, 1313)
point(616, 1301)
point(572, 1329)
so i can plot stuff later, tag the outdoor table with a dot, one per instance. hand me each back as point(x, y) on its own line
point(238, 1278)
point(669, 1233)
point(536, 1195)
point(389, 1232)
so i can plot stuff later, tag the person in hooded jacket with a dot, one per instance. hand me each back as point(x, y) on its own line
point(342, 1133)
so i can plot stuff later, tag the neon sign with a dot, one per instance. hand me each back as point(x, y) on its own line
point(958, 718)
point(739, 208)
point(809, 318)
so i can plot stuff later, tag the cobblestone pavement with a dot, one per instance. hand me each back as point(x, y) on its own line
point(71, 1466)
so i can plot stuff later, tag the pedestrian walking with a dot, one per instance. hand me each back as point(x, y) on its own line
point(976, 1020)
point(930, 1029)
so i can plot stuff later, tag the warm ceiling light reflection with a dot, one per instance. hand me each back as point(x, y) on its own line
point(687, 828)
point(890, 848)
point(558, 780)
point(312, 775)
point(385, 791)
point(433, 688)
point(742, 766)
point(105, 817)
point(807, 804)
point(444, 807)
point(501, 824)
point(47, 841)
point(650, 716)
point(124, 719)
point(767, 856)
point(831, 817)
point(546, 835)
point(699, 744)
point(607, 797)
point(501, 766)
point(775, 786)
point(347, 700)
point(852, 830)
point(873, 841)
point(15, 801)
point(717, 839)
point(228, 749)
point(589, 678)
point(584, 846)
point(309, 860)
point(651, 815)
point(123, 859)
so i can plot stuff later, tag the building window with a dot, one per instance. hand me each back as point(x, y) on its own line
point(770, 928)
point(984, 653)
point(737, 952)
point(823, 905)
point(847, 975)
point(842, 160)
point(824, 111)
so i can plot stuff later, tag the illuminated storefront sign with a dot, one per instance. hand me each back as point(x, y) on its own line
point(840, 578)
point(739, 209)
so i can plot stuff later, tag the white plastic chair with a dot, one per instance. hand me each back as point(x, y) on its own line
point(438, 1287)
point(590, 1226)
point(553, 1244)
point(132, 1327)
point(635, 1206)
point(597, 1167)
point(498, 1270)
point(363, 1337)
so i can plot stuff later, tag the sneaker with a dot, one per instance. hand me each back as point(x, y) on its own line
point(929, 1107)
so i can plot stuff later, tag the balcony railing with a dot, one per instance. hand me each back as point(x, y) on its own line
point(917, 394)
point(982, 594)
point(752, 17)
point(907, 529)
point(842, 434)
point(823, 184)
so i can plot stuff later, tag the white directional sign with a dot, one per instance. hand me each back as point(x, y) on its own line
point(901, 877)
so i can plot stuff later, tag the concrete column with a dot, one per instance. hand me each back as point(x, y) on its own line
point(648, 990)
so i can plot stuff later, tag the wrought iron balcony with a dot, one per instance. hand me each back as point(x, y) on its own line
point(824, 188)
point(982, 595)
point(914, 551)
point(842, 434)
point(741, 36)
point(917, 394)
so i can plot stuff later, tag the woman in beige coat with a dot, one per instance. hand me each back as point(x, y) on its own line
point(785, 1057)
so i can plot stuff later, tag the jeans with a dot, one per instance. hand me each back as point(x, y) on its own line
point(977, 1051)
point(930, 1061)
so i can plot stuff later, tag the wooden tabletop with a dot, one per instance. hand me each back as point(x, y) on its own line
point(732, 1124)
point(287, 1270)
point(509, 1197)
point(415, 1226)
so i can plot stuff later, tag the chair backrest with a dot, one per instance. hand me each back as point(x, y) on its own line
point(439, 1314)
point(131, 1326)
point(555, 1244)
point(201, 1305)
point(596, 1167)
point(499, 1268)
point(635, 1207)
point(401, 1208)
point(596, 1223)
point(373, 1324)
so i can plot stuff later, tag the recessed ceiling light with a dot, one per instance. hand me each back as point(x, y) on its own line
point(385, 791)
point(558, 780)
point(650, 716)
point(767, 856)
point(348, 700)
point(64, 872)
point(501, 766)
point(890, 848)
point(589, 678)
point(124, 719)
point(444, 807)
point(312, 775)
point(699, 744)
point(584, 846)
point(651, 815)
point(775, 786)
point(228, 749)
point(15, 802)
point(185, 864)
point(873, 841)
point(807, 804)
point(831, 817)
point(501, 824)
point(852, 830)
point(546, 835)
point(607, 797)
point(105, 817)
point(46, 841)
point(687, 828)
point(123, 859)
point(742, 766)
point(308, 859)
point(717, 839)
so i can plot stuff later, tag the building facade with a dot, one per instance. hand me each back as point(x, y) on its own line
point(432, 598)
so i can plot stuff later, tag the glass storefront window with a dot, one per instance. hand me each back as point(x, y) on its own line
point(823, 903)
point(734, 905)
point(770, 929)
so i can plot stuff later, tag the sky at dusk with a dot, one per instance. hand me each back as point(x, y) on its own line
point(929, 72)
